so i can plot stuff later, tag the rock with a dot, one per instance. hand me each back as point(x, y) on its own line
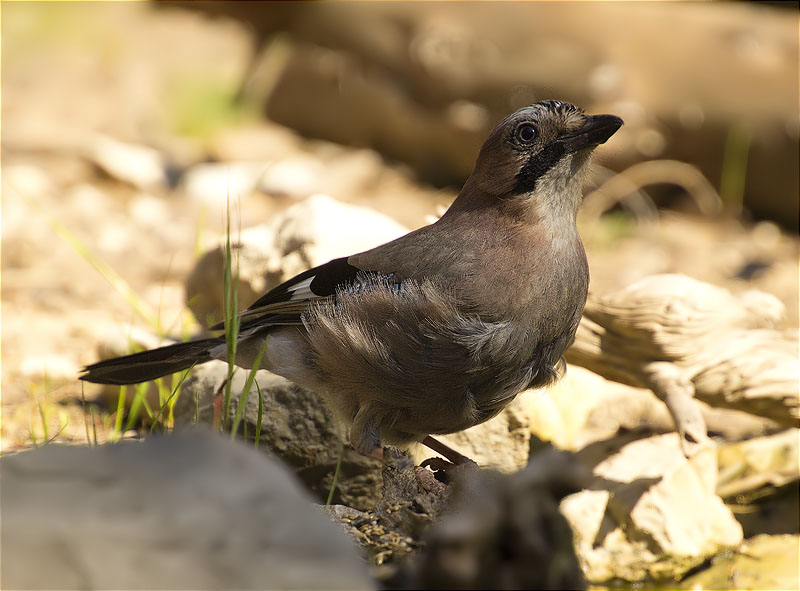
point(502, 443)
point(374, 112)
point(583, 408)
point(215, 184)
point(759, 480)
point(382, 544)
point(747, 466)
point(321, 228)
point(257, 265)
point(484, 530)
point(148, 210)
point(305, 235)
point(411, 497)
point(52, 369)
point(29, 180)
point(650, 512)
point(296, 176)
point(762, 562)
point(186, 511)
point(358, 172)
point(296, 426)
point(136, 165)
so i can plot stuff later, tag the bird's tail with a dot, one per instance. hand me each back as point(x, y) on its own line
point(149, 365)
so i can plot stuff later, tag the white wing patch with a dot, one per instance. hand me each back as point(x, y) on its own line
point(302, 290)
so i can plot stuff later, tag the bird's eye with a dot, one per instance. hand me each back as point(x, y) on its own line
point(526, 133)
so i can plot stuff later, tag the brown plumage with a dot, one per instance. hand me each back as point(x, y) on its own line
point(438, 330)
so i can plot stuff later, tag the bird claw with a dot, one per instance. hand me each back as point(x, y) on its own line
point(437, 464)
point(445, 471)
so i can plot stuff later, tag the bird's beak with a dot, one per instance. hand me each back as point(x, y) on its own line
point(595, 131)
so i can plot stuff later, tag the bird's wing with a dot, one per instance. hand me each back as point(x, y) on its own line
point(286, 303)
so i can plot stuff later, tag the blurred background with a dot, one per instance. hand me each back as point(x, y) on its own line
point(127, 127)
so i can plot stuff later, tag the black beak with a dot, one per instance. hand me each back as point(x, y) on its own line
point(595, 131)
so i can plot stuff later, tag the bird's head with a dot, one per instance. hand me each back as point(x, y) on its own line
point(541, 152)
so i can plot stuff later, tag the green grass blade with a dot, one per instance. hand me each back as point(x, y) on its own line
point(231, 298)
point(734, 168)
point(260, 414)
point(173, 396)
point(117, 432)
point(139, 401)
point(248, 384)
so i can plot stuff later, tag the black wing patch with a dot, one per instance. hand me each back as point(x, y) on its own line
point(321, 281)
point(286, 303)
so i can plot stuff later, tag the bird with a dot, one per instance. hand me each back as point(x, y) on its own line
point(440, 329)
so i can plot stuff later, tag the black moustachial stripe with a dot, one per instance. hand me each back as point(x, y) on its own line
point(536, 166)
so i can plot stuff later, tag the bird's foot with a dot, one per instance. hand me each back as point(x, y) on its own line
point(446, 451)
point(446, 469)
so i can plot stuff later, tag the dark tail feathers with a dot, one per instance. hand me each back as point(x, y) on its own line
point(149, 365)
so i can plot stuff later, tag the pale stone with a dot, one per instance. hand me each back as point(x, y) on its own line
point(140, 166)
point(184, 511)
point(650, 512)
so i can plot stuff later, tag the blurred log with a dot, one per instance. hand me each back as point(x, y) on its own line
point(423, 82)
point(683, 338)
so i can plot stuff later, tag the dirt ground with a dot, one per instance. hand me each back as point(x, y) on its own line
point(120, 70)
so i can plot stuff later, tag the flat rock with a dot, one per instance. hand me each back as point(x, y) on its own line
point(140, 166)
point(214, 184)
point(650, 512)
point(53, 368)
point(759, 480)
point(749, 466)
point(189, 511)
point(583, 408)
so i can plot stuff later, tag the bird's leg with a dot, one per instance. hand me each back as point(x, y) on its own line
point(365, 435)
point(216, 412)
point(436, 464)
